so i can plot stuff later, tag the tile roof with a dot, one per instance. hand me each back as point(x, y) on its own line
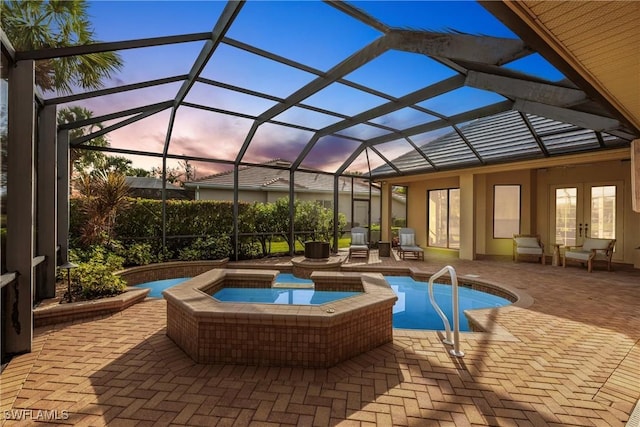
point(271, 178)
point(147, 182)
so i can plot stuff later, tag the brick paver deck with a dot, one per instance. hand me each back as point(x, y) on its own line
point(572, 358)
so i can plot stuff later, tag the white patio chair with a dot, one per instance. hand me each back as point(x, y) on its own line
point(528, 245)
point(590, 251)
point(359, 245)
point(407, 244)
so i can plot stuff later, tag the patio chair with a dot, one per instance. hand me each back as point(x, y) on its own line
point(359, 245)
point(528, 245)
point(407, 244)
point(590, 251)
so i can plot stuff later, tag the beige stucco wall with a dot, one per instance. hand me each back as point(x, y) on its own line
point(604, 173)
point(523, 178)
point(536, 189)
point(417, 204)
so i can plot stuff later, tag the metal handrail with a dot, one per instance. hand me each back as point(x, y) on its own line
point(454, 297)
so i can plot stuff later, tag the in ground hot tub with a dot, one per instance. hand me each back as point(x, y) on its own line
point(320, 336)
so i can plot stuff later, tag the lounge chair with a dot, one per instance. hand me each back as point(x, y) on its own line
point(407, 244)
point(591, 250)
point(359, 244)
point(528, 245)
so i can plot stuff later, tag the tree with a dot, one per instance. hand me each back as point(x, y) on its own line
point(281, 213)
point(103, 195)
point(81, 159)
point(138, 172)
point(173, 174)
point(118, 164)
point(184, 172)
point(262, 221)
point(308, 220)
point(35, 24)
point(189, 171)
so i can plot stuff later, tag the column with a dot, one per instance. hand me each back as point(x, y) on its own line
point(20, 208)
point(467, 217)
point(46, 195)
point(63, 194)
point(386, 212)
point(635, 175)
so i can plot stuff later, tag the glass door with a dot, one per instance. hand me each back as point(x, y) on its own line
point(586, 210)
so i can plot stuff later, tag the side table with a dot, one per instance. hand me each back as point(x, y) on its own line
point(555, 259)
point(384, 249)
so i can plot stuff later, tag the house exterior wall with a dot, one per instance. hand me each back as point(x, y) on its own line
point(537, 188)
point(524, 179)
point(227, 195)
point(417, 210)
point(612, 172)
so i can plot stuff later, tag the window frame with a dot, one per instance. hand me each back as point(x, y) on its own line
point(448, 203)
point(493, 215)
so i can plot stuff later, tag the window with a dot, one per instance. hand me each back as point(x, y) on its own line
point(444, 218)
point(398, 206)
point(327, 204)
point(603, 212)
point(506, 211)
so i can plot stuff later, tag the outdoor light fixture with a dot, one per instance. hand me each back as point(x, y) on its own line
point(68, 266)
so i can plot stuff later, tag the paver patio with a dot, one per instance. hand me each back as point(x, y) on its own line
point(572, 358)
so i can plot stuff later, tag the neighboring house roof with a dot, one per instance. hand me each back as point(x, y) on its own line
point(148, 183)
point(269, 179)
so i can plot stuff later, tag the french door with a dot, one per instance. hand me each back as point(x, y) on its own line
point(587, 210)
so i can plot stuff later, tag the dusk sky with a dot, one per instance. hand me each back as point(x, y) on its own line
point(309, 32)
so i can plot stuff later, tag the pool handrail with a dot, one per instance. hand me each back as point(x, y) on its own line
point(456, 321)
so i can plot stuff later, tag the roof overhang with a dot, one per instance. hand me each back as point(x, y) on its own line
point(595, 44)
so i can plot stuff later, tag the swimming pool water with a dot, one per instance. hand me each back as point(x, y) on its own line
point(413, 309)
point(280, 295)
point(288, 278)
point(287, 292)
point(158, 286)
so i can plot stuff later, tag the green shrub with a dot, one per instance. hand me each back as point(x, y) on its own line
point(189, 254)
point(96, 280)
point(249, 248)
point(399, 222)
point(206, 248)
point(94, 276)
point(137, 254)
point(142, 219)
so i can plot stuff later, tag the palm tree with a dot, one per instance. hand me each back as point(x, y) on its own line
point(37, 24)
point(102, 196)
point(81, 159)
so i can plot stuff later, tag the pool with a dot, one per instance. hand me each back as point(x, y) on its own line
point(413, 309)
point(318, 336)
point(158, 286)
point(281, 295)
point(288, 289)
